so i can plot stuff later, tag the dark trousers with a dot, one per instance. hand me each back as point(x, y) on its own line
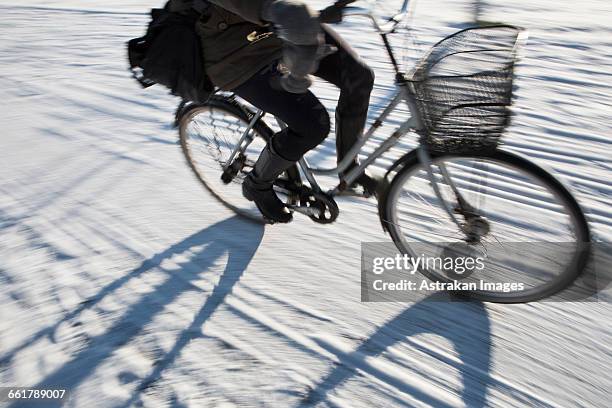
point(306, 117)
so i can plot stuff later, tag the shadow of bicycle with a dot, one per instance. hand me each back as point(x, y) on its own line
point(234, 237)
point(465, 324)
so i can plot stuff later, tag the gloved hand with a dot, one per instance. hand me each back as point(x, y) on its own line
point(299, 26)
point(294, 21)
point(299, 61)
point(296, 85)
point(333, 13)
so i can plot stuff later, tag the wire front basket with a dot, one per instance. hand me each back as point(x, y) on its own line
point(463, 88)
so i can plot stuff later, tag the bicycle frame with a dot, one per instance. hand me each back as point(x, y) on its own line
point(412, 124)
point(402, 93)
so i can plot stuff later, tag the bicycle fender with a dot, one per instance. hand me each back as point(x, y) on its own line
point(385, 184)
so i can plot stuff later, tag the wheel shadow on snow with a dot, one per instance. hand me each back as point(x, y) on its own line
point(234, 236)
point(465, 324)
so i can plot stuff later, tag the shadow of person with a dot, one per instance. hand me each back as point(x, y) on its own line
point(233, 236)
point(464, 324)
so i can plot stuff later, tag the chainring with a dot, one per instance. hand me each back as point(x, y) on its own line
point(328, 210)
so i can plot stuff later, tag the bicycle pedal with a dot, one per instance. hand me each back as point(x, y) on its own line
point(350, 192)
point(308, 211)
point(365, 186)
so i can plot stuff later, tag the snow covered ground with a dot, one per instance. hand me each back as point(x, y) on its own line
point(125, 282)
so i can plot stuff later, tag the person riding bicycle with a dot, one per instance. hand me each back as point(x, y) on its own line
point(265, 51)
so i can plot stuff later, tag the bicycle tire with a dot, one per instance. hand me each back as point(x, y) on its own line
point(410, 163)
point(233, 108)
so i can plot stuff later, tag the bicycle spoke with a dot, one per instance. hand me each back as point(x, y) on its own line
point(209, 136)
point(499, 205)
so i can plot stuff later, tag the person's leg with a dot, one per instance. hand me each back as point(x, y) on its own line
point(308, 125)
point(306, 118)
point(355, 80)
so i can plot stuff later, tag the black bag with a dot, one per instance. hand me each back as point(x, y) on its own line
point(170, 54)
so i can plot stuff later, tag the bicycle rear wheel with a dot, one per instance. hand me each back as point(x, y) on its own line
point(209, 133)
point(527, 224)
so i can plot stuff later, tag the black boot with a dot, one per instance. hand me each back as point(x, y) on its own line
point(367, 183)
point(348, 130)
point(258, 185)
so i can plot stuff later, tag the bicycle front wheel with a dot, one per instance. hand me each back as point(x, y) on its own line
point(516, 215)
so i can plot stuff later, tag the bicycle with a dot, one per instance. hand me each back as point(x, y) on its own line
point(458, 97)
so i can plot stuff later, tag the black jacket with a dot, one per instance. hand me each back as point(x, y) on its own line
point(249, 10)
point(236, 42)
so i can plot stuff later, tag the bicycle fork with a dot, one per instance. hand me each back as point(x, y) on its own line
point(475, 226)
